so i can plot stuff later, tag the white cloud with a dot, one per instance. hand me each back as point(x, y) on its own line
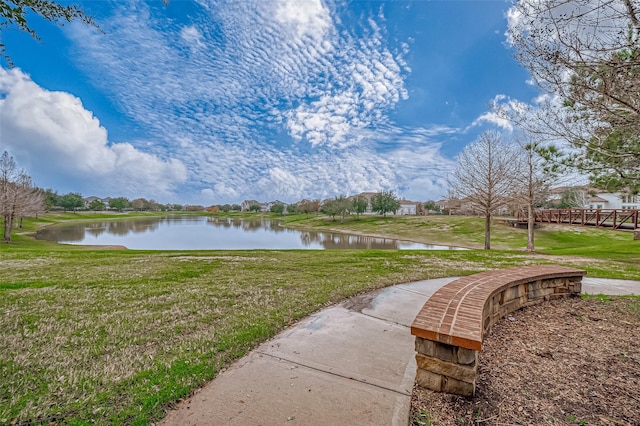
point(306, 17)
point(495, 119)
point(56, 138)
point(278, 99)
point(208, 193)
point(192, 36)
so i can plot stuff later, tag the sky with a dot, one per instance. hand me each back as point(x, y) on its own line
point(212, 102)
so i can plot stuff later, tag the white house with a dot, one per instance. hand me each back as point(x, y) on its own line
point(246, 204)
point(591, 198)
point(615, 200)
point(407, 208)
point(87, 201)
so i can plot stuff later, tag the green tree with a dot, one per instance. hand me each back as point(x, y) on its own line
point(292, 208)
point(330, 208)
point(236, 207)
point(385, 202)
point(96, 205)
point(277, 208)
point(51, 199)
point(225, 208)
point(255, 208)
point(431, 206)
point(71, 201)
point(344, 206)
point(360, 205)
point(585, 53)
point(535, 179)
point(14, 13)
point(119, 203)
point(613, 160)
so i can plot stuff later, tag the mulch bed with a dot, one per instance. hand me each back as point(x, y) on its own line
point(564, 362)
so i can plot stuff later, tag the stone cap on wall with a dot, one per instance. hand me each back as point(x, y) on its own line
point(455, 313)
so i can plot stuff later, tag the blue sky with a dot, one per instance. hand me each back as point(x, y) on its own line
point(207, 102)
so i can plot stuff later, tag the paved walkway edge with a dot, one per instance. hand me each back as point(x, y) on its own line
point(349, 364)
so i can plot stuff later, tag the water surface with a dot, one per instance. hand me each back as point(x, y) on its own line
point(213, 233)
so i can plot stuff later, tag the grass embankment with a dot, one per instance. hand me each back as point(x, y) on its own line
point(603, 252)
point(114, 336)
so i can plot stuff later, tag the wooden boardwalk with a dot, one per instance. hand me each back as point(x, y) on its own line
point(602, 218)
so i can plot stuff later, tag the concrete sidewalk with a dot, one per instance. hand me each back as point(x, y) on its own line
point(351, 364)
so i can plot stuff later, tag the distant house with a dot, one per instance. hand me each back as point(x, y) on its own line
point(408, 208)
point(442, 204)
point(266, 207)
point(87, 201)
point(468, 207)
point(246, 205)
point(615, 200)
point(596, 202)
point(591, 198)
point(368, 196)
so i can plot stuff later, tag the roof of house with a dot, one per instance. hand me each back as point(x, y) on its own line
point(597, 199)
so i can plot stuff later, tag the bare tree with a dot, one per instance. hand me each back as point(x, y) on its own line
point(586, 55)
point(574, 198)
point(18, 196)
point(536, 176)
point(487, 172)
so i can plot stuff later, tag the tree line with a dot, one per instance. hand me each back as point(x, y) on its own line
point(382, 202)
point(341, 205)
point(74, 201)
point(19, 198)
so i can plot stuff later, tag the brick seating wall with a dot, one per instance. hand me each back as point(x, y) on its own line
point(451, 325)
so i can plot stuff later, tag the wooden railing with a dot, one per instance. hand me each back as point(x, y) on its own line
point(606, 218)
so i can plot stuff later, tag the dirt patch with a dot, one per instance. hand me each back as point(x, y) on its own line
point(112, 247)
point(565, 362)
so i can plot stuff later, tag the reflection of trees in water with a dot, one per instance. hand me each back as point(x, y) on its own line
point(307, 238)
point(247, 225)
point(120, 227)
point(136, 226)
point(140, 226)
point(95, 229)
point(344, 241)
point(73, 233)
point(251, 225)
point(180, 219)
point(221, 222)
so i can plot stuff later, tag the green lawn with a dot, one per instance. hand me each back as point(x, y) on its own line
point(114, 336)
point(469, 232)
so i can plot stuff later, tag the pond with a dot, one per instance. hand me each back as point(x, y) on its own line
point(212, 233)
